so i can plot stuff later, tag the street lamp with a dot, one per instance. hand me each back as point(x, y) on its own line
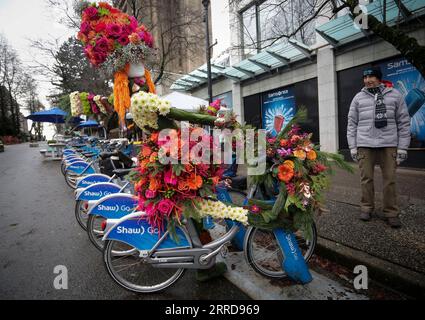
point(206, 4)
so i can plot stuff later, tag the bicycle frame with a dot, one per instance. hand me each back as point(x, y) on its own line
point(165, 252)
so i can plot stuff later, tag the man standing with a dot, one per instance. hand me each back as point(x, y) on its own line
point(378, 131)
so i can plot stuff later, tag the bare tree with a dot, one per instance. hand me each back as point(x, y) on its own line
point(178, 29)
point(295, 19)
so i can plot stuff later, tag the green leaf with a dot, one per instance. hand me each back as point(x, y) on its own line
point(178, 169)
point(279, 205)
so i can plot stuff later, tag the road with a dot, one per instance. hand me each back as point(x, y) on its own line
point(38, 232)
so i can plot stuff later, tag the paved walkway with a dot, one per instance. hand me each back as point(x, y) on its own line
point(405, 246)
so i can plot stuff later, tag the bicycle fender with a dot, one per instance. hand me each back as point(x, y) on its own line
point(114, 206)
point(238, 240)
point(79, 167)
point(97, 191)
point(294, 264)
point(92, 179)
point(138, 233)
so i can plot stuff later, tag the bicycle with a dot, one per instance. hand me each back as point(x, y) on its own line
point(140, 261)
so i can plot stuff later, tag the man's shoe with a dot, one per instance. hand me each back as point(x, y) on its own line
point(364, 216)
point(394, 222)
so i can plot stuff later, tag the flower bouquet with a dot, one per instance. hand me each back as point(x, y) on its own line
point(297, 173)
point(171, 189)
point(89, 104)
point(115, 41)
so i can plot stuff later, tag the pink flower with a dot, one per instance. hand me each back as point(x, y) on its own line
point(113, 30)
point(166, 206)
point(150, 194)
point(170, 178)
point(255, 209)
point(133, 23)
point(85, 28)
point(91, 13)
point(150, 209)
point(271, 140)
point(102, 45)
point(124, 40)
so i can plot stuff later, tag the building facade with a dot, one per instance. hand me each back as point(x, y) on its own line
point(321, 71)
point(179, 34)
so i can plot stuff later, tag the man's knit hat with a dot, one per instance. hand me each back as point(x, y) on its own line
point(373, 71)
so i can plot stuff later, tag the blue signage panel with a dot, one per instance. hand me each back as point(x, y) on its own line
point(278, 108)
point(79, 167)
point(141, 235)
point(407, 79)
point(92, 179)
point(115, 207)
point(98, 191)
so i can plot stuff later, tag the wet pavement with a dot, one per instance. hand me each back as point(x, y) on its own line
point(38, 232)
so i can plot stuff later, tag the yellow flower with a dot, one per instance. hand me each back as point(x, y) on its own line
point(300, 154)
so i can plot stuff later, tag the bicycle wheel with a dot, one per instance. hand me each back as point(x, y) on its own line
point(81, 213)
point(132, 273)
point(95, 230)
point(70, 180)
point(264, 255)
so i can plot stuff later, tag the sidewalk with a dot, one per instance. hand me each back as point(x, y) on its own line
point(395, 257)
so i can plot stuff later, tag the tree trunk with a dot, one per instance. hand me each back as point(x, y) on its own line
point(408, 46)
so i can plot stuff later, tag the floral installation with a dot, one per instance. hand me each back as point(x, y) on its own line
point(105, 31)
point(84, 98)
point(219, 210)
point(169, 191)
point(98, 100)
point(145, 108)
point(76, 106)
point(296, 176)
point(113, 40)
point(88, 104)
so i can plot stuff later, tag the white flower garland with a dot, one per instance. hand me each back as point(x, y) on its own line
point(145, 108)
point(99, 104)
point(219, 210)
point(76, 106)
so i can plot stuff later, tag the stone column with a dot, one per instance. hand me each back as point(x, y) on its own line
point(328, 99)
point(237, 100)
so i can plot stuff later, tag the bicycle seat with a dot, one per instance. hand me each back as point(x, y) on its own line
point(106, 155)
point(89, 155)
point(121, 172)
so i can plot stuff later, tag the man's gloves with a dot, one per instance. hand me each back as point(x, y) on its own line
point(401, 156)
point(354, 154)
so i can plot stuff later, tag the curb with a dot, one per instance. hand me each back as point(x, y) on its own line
point(391, 275)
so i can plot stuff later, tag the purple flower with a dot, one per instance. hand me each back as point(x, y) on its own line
point(284, 152)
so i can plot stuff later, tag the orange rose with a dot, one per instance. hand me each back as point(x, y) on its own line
point(300, 154)
point(215, 180)
point(146, 151)
point(283, 143)
point(195, 181)
point(154, 184)
point(311, 155)
point(286, 172)
point(183, 185)
point(154, 137)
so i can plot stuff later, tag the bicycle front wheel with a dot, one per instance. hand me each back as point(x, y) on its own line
point(81, 213)
point(263, 253)
point(132, 273)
